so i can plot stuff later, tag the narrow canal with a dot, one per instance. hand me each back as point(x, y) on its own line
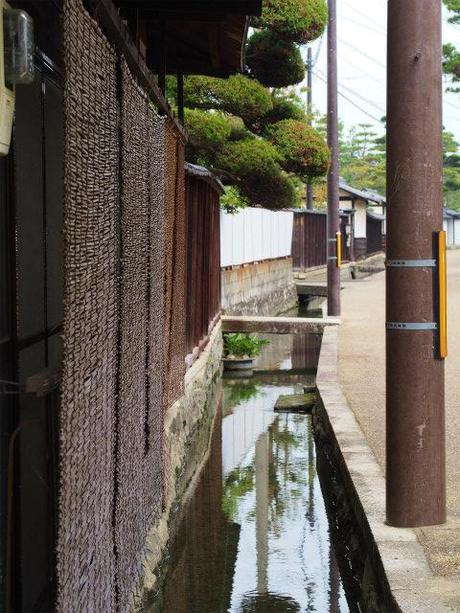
point(254, 535)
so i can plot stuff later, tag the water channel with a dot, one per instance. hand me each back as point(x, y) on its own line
point(254, 536)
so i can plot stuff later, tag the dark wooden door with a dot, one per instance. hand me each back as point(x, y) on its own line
point(374, 235)
point(31, 268)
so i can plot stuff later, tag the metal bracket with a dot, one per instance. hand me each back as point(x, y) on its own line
point(17, 388)
point(411, 263)
point(331, 240)
point(332, 257)
point(396, 325)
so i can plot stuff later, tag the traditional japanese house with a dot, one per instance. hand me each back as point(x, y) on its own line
point(98, 234)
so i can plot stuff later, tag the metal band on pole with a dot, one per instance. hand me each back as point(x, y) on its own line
point(411, 263)
point(399, 325)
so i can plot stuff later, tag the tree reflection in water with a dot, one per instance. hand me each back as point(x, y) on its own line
point(255, 536)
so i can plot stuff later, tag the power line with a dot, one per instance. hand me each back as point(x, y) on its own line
point(363, 72)
point(357, 12)
point(357, 95)
point(349, 100)
point(363, 25)
point(451, 104)
point(318, 51)
point(361, 52)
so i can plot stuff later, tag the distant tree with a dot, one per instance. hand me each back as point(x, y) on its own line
point(363, 159)
point(451, 57)
point(454, 6)
point(451, 171)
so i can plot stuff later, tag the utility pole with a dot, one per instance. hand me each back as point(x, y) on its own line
point(309, 111)
point(415, 447)
point(333, 271)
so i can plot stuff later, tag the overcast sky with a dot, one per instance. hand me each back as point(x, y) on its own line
point(362, 58)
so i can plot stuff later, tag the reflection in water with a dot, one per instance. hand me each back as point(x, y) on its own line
point(254, 536)
point(289, 351)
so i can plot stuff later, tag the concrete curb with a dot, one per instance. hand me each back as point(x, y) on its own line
point(277, 325)
point(399, 559)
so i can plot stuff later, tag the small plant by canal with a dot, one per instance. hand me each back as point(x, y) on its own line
point(256, 534)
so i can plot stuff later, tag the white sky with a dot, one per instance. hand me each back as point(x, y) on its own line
point(361, 65)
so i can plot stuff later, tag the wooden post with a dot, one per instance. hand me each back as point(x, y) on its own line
point(333, 201)
point(162, 59)
point(415, 372)
point(309, 111)
point(180, 97)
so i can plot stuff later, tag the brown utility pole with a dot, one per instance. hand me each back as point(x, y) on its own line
point(309, 111)
point(333, 272)
point(415, 451)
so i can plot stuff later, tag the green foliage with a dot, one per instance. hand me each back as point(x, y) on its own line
point(451, 171)
point(304, 151)
point(285, 106)
point(230, 121)
point(238, 95)
point(298, 21)
point(208, 131)
point(451, 57)
point(243, 345)
point(273, 61)
point(233, 200)
point(253, 165)
point(451, 64)
point(454, 6)
point(238, 130)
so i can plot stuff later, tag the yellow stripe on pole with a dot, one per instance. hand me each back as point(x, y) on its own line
point(338, 237)
point(442, 279)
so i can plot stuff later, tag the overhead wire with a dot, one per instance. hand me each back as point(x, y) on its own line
point(356, 94)
point(361, 52)
point(363, 25)
point(345, 97)
point(364, 15)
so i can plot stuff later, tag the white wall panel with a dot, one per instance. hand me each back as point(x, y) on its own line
point(253, 235)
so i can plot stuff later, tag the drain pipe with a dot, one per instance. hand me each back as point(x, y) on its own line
point(414, 362)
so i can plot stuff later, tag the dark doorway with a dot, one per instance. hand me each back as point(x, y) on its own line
point(31, 268)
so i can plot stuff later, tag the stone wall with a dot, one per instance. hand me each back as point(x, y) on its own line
point(259, 288)
point(187, 431)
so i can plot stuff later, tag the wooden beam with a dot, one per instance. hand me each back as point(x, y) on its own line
point(234, 7)
point(214, 47)
point(180, 97)
point(120, 37)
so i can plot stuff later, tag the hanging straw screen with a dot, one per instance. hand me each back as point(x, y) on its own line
point(87, 418)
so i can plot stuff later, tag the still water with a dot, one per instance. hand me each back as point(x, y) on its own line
point(254, 535)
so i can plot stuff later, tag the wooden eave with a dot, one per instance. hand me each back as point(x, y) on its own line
point(204, 7)
point(194, 37)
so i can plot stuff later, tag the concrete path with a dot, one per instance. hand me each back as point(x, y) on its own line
point(362, 376)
